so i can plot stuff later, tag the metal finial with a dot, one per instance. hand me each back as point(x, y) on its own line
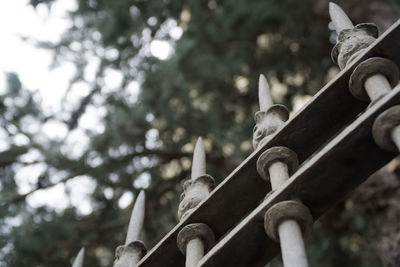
point(339, 18)
point(137, 218)
point(78, 262)
point(199, 160)
point(264, 95)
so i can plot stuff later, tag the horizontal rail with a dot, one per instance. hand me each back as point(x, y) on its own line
point(348, 160)
point(329, 111)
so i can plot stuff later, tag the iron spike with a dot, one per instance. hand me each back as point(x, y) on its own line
point(78, 262)
point(339, 18)
point(199, 160)
point(137, 218)
point(264, 95)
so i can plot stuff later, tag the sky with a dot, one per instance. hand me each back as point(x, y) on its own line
point(18, 21)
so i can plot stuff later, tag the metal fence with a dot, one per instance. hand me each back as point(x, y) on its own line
point(301, 165)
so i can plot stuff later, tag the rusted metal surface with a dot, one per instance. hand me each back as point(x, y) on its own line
point(345, 162)
point(329, 111)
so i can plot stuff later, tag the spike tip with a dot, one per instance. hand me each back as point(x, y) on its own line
point(199, 160)
point(137, 218)
point(339, 18)
point(78, 262)
point(264, 95)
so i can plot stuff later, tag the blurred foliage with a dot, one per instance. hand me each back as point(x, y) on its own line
point(206, 87)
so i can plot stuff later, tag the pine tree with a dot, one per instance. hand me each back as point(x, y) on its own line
point(207, 87)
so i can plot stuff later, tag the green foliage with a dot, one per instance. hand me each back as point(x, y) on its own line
point(14, 85)
point(207, 87)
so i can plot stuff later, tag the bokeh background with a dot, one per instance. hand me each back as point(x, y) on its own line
point(100, 99)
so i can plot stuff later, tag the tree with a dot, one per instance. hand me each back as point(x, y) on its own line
point(207, 87)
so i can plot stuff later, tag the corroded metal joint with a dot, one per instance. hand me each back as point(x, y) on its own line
point(352, 42)
point(383, 127)
point(274, 154)
point(268, 122)
point(368, 68)
point(129, 255)
point(194, 191)
point(192, 231)
point(287, 210)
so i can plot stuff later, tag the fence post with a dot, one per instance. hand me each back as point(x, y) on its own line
point(128, 255)
point(78, 262)
point(196, 238)
point(372, 78)
point(270, 117)
point(285, 221)
point(375, 76)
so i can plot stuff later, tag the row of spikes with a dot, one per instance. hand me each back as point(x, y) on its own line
point(340, 21)
point(134, 228)
point(198, 169)
point(137, 215)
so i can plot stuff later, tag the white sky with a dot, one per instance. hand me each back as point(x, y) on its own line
point(18, 19)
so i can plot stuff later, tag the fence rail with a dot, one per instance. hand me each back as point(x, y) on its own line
point(338, 139)
point(330, 110)
point(348, 160)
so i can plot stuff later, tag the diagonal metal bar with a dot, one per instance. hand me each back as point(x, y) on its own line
point(331, 109)
point(346, 161)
